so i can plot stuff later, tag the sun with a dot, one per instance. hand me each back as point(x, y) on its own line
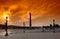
point(6, 15)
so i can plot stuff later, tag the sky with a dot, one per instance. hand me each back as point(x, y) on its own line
point(43, 11)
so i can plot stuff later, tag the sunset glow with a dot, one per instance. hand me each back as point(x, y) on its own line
point(6, 15)
point(43, 11)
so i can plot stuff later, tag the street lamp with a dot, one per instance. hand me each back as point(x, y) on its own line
point(6, 27)
point(24, 27)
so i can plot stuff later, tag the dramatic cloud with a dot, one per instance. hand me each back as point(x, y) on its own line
point(41, 10)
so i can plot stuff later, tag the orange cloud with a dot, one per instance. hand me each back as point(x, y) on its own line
point(19, 9)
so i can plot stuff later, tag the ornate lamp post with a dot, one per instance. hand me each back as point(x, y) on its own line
point(54, 25)
point(6, 27)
